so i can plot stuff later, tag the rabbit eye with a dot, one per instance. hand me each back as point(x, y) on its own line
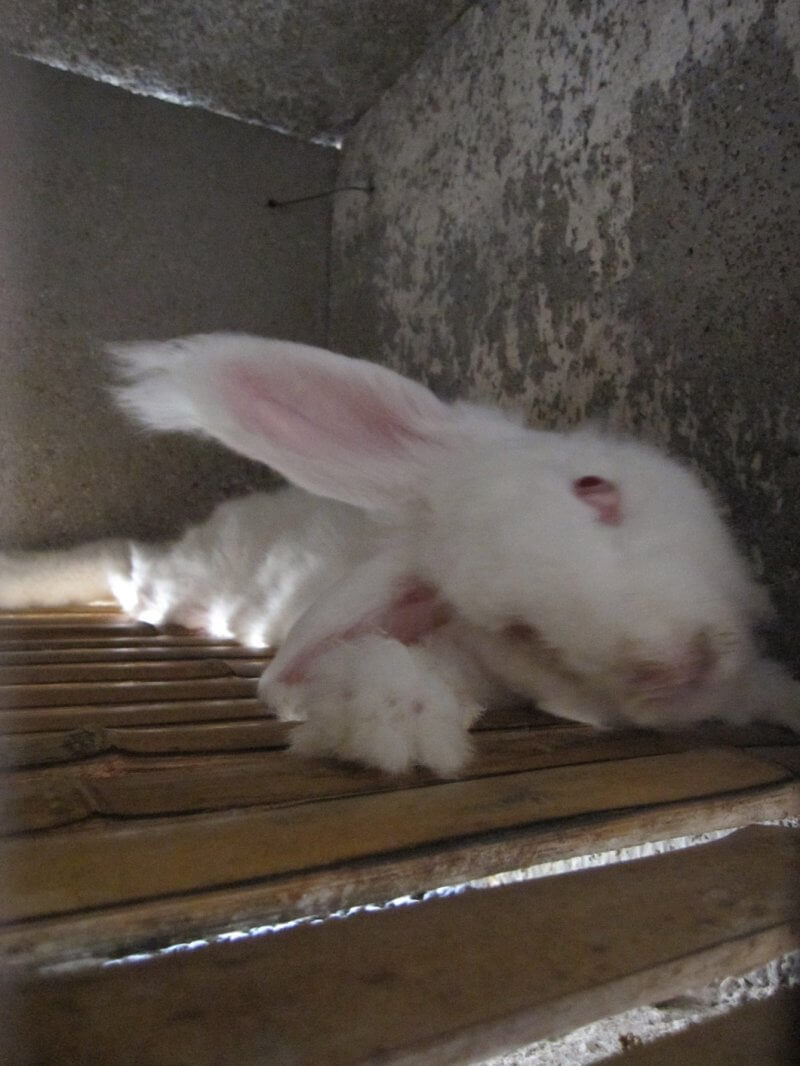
point(602, 496)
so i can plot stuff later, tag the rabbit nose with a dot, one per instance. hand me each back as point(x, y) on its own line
point(691, 668)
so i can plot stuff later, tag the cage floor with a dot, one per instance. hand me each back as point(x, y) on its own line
point(150, 801)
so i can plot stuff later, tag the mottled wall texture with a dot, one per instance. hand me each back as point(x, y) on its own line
point(593, 209)
point(310, 68)
point(125, 218)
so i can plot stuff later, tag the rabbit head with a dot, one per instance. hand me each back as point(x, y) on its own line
point(596, 577)
point(589, 573)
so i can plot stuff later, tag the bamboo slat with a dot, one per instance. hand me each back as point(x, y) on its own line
point(116, 651)
point(91, 716)
point(72, 629)
point(102, 612)
point(497, 750)
point(445, 981)
point(246, 667)
point(161, 780)
point(188, 784)
point(29, 676)
point(45, 803)
point(47, 748)
point(259, 733)
point(48, 719)
point(787, 755)
point(63, 746)
point(119, 930)
point(107, 865)
point(112, 638)
point(110, 692)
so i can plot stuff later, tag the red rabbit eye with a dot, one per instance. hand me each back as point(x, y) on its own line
point(602, 495)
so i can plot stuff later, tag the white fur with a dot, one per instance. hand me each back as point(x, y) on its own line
point(250, 570)
point(377, 701)
point(460, 568)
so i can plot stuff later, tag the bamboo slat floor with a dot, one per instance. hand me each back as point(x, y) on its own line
point(150, 800)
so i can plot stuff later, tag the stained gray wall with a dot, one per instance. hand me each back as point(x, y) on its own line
point(311, 68)
point(593, 208)
point(123, 218)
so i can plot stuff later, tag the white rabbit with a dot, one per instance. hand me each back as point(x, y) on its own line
point(461, 560)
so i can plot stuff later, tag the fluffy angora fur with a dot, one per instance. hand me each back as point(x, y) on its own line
point(449, 559)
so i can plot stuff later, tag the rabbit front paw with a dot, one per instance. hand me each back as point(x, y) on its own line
point(380, 703)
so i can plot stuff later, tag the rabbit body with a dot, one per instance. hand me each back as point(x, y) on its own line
point(250, 570)
point(442, 558)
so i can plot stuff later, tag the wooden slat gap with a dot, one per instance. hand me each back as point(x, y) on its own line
point(125, 927)
point(393, 987)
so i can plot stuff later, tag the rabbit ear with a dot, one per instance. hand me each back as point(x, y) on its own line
point(336, 426)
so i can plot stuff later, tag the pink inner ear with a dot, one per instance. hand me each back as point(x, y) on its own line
point(414, 612)
point(604, 496)
point(312, 416)
point(411, 614)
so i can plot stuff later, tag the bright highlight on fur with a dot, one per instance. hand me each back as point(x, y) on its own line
point(448, 560)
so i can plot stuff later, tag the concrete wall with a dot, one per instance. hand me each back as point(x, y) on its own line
point(122, 218)
point(593, 208)
point(311, 67)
